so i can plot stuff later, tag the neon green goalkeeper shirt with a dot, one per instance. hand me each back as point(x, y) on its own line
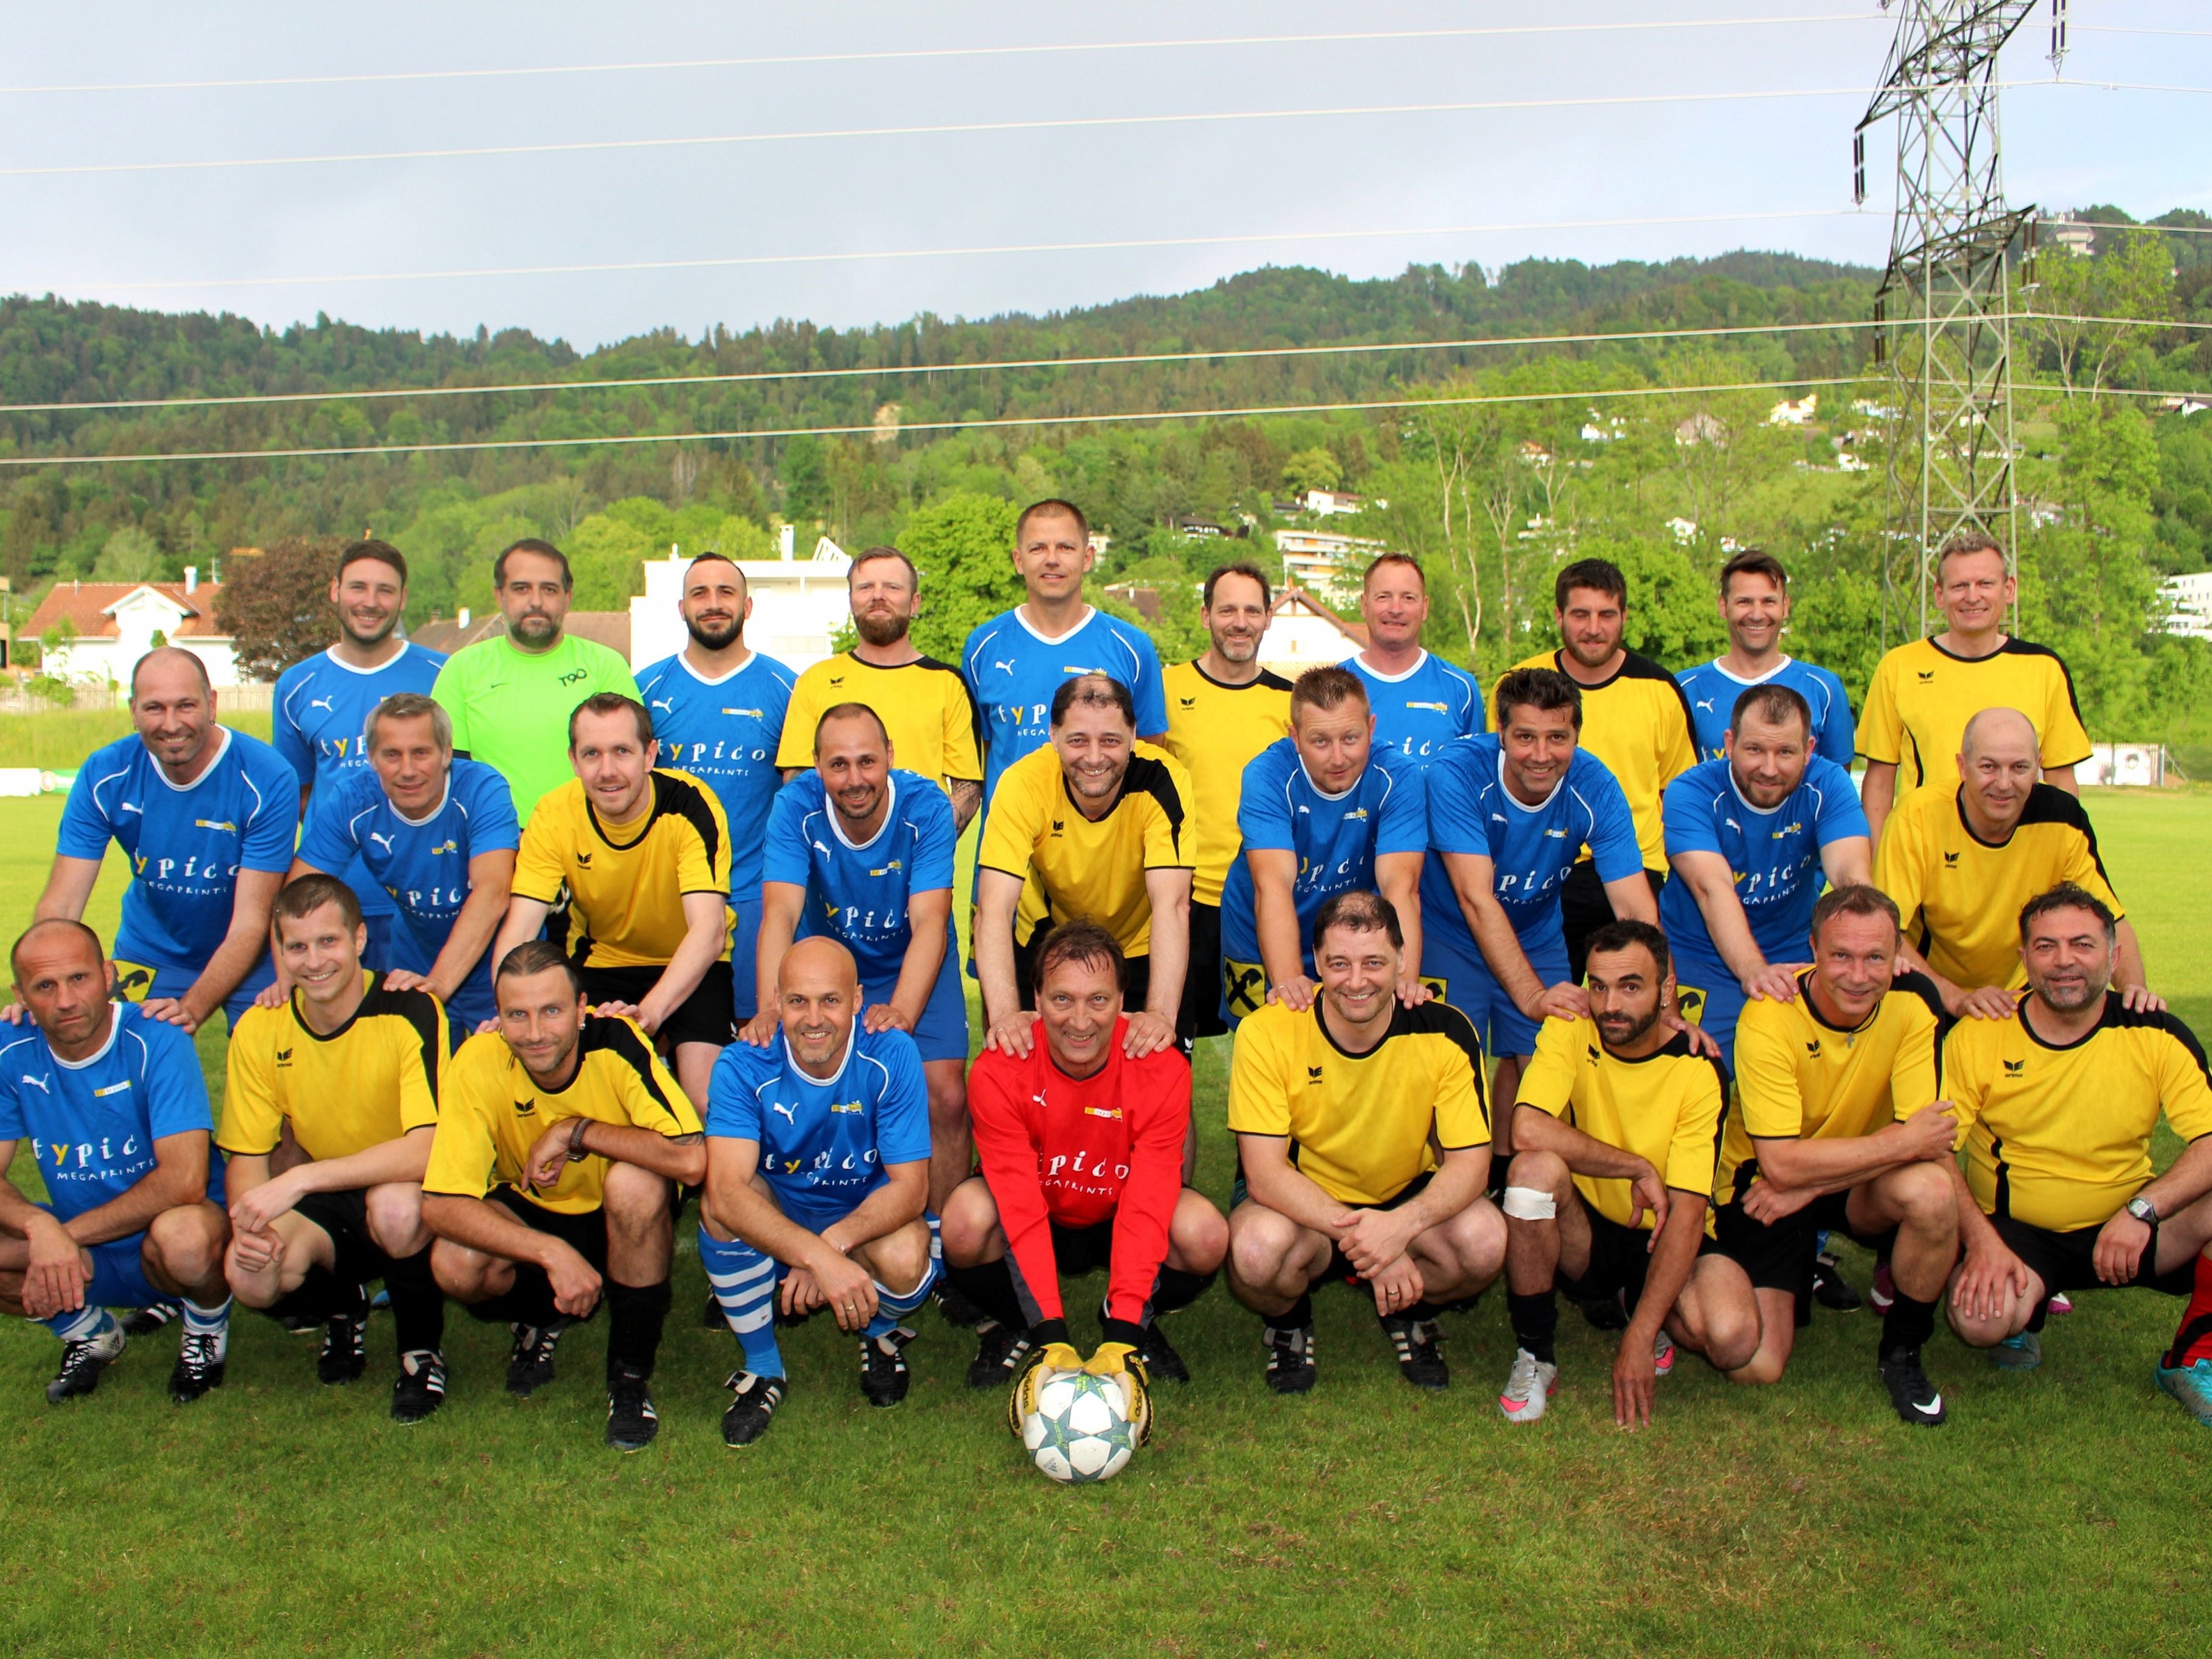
point(511, 708)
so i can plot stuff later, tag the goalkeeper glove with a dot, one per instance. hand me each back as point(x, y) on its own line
point(1049, 1353)
point(1120, 1359)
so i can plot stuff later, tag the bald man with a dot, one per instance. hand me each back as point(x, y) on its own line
point(207, 817)
point(817, 1171)
point(1961, 864)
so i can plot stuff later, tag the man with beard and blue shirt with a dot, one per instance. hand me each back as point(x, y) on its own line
point(1325, 810)
point(718, 707)
point(1015, 662)
point(1750, 837)
point(322, 705)
point(1420, 702)
point(437, 836)
point(114, 1108)
point(860, 851)
point(1755, 610)
point(207, 817)
point(1509, 813)
point(817, 1170)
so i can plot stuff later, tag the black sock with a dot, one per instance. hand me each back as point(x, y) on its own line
point(1175, 1288)
point(1423, 1312)
point(1535, 1321)
point(636, 1313)
point(1907, 1325)
point(318, 1297)
point(418, 1306)
point(990, 1286)
point(1296, 1316)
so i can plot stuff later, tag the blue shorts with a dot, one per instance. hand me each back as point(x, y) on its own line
point(119, 1275)
point(138, 983)
point(1712, 999)
point(1455, 962)
point(941, 1033)
point(379, 955)
point(744, 956)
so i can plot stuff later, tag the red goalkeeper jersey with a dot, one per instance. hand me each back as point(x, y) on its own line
point(1078, 1151)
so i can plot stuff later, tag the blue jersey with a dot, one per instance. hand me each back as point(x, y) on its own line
point(1421, 710)
point(1711, 691)
point(858, 895)
point(1013, 671)
point(421, 867)
point(725, 732)
point(92, 1123)
point(320, 722)
point(1774, 854)
point(1337, 838)
point(1531, 848)
point(823, 1142)
point(186, 844)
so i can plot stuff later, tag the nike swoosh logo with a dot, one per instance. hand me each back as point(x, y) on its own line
point(1934, 1408)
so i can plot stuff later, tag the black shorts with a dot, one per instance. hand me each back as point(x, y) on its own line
point(1201, 986)
point(1077, 1250)
point(355, 1258)
point(2067, 1261)
point(1339, 1266)
point(1778, 1256)
point(1619, 1258)
point(1584, 909)
point(702, 1016)
point(585, 1234)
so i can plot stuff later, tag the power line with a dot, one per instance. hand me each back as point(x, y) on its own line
point(2119, 224)
point(799, 59)
point(1144, 416)
point(603, 267)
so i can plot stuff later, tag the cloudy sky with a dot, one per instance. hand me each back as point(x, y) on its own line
point(94, 205)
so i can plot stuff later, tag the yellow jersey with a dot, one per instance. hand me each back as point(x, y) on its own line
point(1361, 1126)
point(1215, 731)
point(2060, 1137)
point(496, 1111)
point(1798, 1077)
point(1071, 865)
point(1961, 896)
point(1664, 1108)
point(1638, 723)
point(626, 894)
point(1922, 697)
point(924, 706)
point(373, 1079)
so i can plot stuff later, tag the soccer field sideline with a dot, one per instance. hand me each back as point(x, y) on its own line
point(1802, 1519)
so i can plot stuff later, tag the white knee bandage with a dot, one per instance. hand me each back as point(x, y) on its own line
point(1530, 1204)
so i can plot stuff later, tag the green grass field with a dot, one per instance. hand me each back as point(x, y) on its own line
point(2057, 1513)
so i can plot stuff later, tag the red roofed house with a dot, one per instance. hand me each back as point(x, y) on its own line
point(1302, 633)
point(115, 624)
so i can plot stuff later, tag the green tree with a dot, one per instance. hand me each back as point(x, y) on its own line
point(1311, 468)
point(276, 606)
point(963, 544)
point(129, 555)
point(2087, 314)
point(607, 554)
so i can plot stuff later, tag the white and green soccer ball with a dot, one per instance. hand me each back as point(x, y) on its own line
point(1080, 1429)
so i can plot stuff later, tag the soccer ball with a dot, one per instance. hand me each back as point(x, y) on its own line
point(1079, 1427)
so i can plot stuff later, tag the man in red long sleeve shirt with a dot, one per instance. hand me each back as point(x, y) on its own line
point(1082, 1155)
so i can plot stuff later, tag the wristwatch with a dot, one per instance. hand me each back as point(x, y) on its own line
point(2144, 1211)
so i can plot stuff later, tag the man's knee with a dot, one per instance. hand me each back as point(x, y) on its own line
point(1727, 1323)
point(899, 1259)
point(185, 1246)
point(468, 1275)
point(634, 1198)
point(1199, 1233)
point(1475, 1240)
point(1539, 1170)
point(1924, 1197)
point(948, 1099)
point(395, 1218)
point(1260, 1241)
point(971, 1216)
point(1764, 1367)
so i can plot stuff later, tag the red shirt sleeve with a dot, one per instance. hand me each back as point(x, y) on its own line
point(1005, 1142)
point(1155, 1101)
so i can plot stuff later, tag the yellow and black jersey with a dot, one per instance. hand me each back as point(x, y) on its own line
point(372, 1080)
point(1072, 867)
point(495, 1112)
point(2060, 1137)
point(1961, 897)
point(1922, 697)
point(924, 706)
point(1664, 1108)
point(1638, 723)
point(1361, 1126)
point(1798, 1077)
point(1215, 730)
point(626, 890)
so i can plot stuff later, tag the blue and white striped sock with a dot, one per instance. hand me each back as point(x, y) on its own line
point(936, 1241)
point(892, 1306)
point(81, 1326)
point(209, 1321)
point(744, 1284)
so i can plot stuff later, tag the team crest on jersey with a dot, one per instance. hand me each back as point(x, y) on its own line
point(1927, 677)
point(1950, 861)
point(1312, 1077)
point(1187, 703)
point(283, 1056)
point(214, 823)
point(1813, 1049)
point(525, 1108)
point(2016, 1068)
point(847, 1106)
point(584, 860)
point(1434, 708)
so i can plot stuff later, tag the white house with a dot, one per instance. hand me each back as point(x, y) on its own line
point(2191, 599)
point(1795, 411)
point(115, 623)
point(1302, 633)
point(1324, 560)
point(799, 605)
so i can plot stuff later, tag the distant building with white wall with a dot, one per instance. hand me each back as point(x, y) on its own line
point(2190, 597)
point(799, 605)
point(108, 626)
point(1302, 633)
point(1326, 561)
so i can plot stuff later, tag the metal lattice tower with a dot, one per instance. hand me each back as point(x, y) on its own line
point(1944, 296)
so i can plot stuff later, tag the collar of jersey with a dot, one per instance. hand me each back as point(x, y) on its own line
point(1958, 805)
point(115, 1013)
point(1736, 790)
point(685, 663)
point(1739, 680)
point(2003, 645)
point(430, 817)
point(1397, 1019)
point(890, 806)
point(1677, 1045)
point(206, 772)
point(1560, 660)
point(1252, 684)
point(1120, 794)
point(852, 1047)
point(645, 823)
point(300, 1019)
point(1344, 793)
point(1023, 622)
point(337, 661)
point(1506, 789)
point(1419, 663)
point(1805, 990)
point(2104, 1018)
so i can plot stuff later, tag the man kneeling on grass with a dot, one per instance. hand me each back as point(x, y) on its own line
point(1340, 1111)
point(1618, 1119)
point(817, 1173)
point(561, 1150)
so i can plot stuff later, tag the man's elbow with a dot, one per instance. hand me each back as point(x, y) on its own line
point(441, 1213)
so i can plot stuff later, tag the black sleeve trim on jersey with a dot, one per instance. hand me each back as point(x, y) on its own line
point(1921, 986)
point(689, 802)
point(2119, 1016)
point(2023, 648)
point(616, 1037)
point(1441, 1019)
point(2048, 804)
point(1147, 776)
point(967, 696)
point(1274, 681)
point(420, 1011)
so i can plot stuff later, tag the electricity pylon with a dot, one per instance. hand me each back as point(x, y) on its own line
point(1944, 296)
